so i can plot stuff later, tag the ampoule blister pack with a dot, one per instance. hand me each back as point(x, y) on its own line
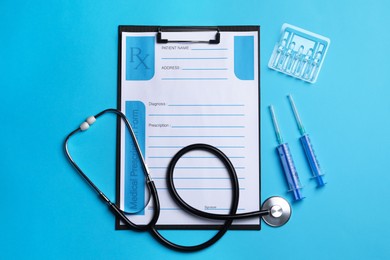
point(299, 53)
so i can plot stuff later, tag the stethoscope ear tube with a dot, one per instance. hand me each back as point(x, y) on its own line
point(114, 208)
point(185, 206)
point(230, 169)
point(276, 211)
point(233, 178)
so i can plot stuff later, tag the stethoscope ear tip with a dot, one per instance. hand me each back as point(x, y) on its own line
point(279, 211)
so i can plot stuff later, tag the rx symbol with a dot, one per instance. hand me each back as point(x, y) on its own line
point(135, 56)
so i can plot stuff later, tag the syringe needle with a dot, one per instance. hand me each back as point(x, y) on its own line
point(276, 126)
point(297, 118)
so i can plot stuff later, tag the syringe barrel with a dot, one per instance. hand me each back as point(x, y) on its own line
point(312, 159)
point(289, 171)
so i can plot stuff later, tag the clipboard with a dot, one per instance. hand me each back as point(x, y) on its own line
point(234, 52)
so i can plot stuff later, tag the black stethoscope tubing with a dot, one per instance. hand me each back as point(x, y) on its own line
point(151, 226)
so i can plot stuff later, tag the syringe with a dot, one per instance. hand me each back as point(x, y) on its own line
point(307, 147)
point(286, 160)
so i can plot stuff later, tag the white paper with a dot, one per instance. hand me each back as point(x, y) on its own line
point(194, 96)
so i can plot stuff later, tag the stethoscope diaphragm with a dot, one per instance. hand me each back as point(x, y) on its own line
point(279, 211)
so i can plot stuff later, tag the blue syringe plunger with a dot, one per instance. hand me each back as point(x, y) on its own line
point(312, 159)
point(289, 171)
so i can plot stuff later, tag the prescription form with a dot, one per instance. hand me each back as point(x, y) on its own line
point(177, 94)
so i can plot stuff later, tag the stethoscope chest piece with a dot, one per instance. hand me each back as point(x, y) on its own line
point(279, 211)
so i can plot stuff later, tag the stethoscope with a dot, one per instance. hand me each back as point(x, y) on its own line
point(275, 211)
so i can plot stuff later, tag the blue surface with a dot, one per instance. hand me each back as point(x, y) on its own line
point(58, 65)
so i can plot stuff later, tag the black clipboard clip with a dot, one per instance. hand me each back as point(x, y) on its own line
point(160, 30)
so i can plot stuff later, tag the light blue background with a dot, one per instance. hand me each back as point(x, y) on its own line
point(58, 65)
